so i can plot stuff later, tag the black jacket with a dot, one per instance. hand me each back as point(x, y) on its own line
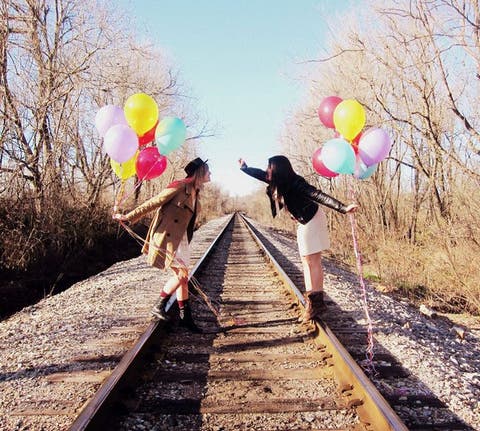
point(300, 197)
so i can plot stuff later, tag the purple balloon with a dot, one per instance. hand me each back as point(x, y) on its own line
point(121, 143)
point(108, 116)
point(374, 146)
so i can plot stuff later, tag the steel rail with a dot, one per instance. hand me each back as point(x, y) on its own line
point(373, 409)
point(93, 414)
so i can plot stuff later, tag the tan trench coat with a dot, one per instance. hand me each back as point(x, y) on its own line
point(175, 206)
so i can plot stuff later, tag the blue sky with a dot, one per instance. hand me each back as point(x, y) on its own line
point(241, 61)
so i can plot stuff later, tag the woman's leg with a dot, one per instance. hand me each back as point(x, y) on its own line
point(180, 268)
point(181, 275)
point(313, 272)
point(186, 318)
point(171, 285)
point(159, 308)
point(178, 283)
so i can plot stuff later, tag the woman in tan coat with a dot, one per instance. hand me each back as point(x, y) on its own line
point(169, 235)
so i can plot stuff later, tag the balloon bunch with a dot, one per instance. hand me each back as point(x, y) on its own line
point(352, 151)
point(127, 132)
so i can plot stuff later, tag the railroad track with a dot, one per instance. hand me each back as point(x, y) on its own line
point(255, 367)
point(413, 401)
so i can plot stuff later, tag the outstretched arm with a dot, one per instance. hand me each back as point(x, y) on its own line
point(324, 199)
point(253, 172)
point(162, 198)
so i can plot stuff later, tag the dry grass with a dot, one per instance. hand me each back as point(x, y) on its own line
point(68, 228)
point(441, 269)
point(33, 241)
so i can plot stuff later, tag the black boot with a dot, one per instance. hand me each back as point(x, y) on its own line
point(158, 309)
point(186, 319)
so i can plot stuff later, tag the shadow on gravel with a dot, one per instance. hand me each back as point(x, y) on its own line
point(267, 324)
point(77, 365)
point(388, 379)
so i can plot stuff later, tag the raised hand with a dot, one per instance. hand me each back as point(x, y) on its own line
point(351, 208)
point(119, 217)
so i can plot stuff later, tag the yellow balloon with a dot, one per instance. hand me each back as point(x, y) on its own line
point(349, 118)
point(124, 170)
point(141, 112)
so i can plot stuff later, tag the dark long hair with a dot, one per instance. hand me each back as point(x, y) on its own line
point(282, 174)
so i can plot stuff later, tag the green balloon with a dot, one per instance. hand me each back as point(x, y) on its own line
point(170, 135)
point(338, 156)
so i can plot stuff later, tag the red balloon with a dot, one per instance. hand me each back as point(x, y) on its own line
point(355, 142)
point(150, 163)
point(326, 108)
point(319, 167)
point(356, 139)
point(147, 136)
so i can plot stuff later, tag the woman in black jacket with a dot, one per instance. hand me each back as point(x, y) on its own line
point(288, 190)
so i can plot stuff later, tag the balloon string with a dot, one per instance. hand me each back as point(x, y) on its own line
point(193, 281)
point(121, 197)
point(370, 344)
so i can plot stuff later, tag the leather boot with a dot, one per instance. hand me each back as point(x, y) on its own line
point(186, 319)
point(159, 310)
point(314, 305)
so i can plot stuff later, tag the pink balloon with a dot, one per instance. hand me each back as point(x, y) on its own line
point(326, 108)
point(108, 116)
point(319, 167)
point(150, 163)
point(374, 146)
point(120, 142)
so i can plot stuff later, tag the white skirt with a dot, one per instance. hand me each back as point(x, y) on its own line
point(182, 255)
point(313, 237)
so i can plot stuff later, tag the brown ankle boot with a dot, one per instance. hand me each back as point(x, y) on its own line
point(314, 305)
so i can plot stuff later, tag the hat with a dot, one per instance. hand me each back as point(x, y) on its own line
point(194, 165)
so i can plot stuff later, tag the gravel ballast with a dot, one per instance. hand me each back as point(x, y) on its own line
point(56, 353)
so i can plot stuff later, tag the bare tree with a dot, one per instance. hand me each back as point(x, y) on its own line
point(395, 62)
point(413, 65)
point(60, 64)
